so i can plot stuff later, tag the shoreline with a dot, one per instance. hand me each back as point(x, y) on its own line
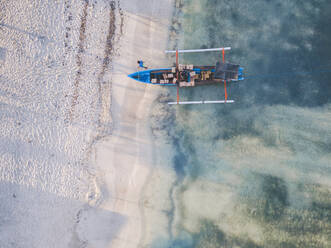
point(125, 160)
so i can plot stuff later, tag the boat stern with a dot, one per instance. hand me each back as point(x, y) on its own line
point(241, 73)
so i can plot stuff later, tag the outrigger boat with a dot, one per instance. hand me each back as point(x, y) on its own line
point(192, 76)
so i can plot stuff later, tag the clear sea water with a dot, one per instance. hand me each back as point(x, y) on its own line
point(256, 173)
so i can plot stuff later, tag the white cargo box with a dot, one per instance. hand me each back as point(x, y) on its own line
point(182, 84)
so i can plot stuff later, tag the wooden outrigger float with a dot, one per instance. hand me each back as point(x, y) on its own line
point(192, 76)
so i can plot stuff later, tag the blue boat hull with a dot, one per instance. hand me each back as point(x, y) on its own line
point(145, 75)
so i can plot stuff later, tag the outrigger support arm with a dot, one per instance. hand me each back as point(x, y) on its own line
point(225, 92)
point(199, 50)
point(177, 76)
point(201, 102)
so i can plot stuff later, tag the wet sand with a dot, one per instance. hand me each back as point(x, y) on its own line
point(125, 159)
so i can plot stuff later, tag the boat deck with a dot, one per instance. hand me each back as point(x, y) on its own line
point(188, 75)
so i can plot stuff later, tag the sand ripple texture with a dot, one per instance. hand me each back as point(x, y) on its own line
point(55, 95)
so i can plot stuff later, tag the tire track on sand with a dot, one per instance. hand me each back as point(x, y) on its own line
point(81, 49)
point(104, 86)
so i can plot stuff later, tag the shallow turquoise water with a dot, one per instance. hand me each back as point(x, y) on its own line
point(255, 173)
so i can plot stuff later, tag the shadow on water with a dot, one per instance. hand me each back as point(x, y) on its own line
point(276, 197)
point(269, 199)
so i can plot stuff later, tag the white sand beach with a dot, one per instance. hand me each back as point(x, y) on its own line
point(126, 158)
point(76, 148)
